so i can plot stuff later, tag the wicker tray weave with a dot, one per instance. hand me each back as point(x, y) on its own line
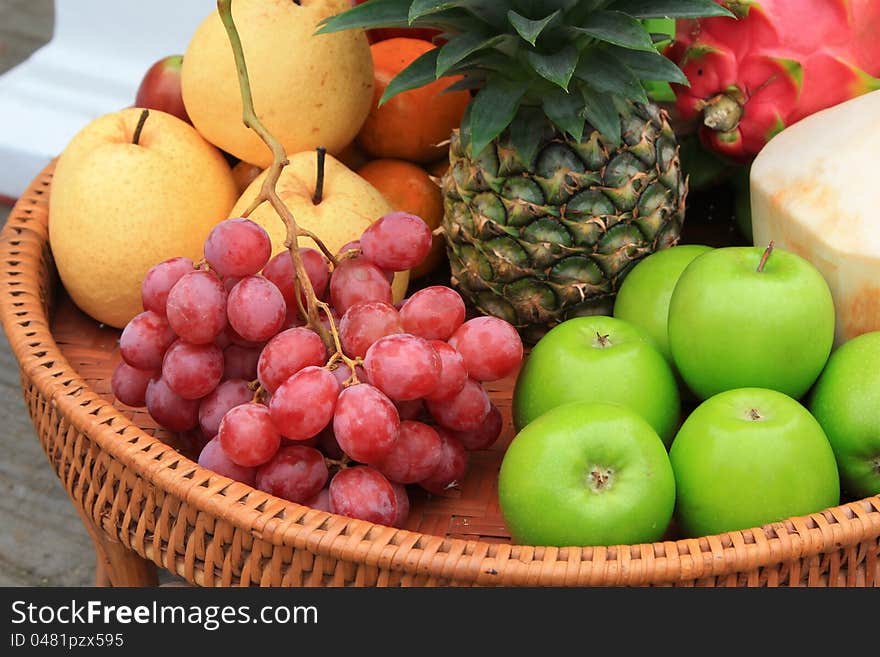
point(142, 498)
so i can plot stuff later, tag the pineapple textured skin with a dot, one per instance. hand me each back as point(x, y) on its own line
point(538, 242)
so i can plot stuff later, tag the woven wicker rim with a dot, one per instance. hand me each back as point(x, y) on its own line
point(26, 283)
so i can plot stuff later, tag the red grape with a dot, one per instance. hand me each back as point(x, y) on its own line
point(364, 323)
point(402, 499)
point(464, 411)
point(491, 347)
point(308, 442)
point(414, 456)
point(403, 366)
point(129, 384)
point(320, 501)
point(296, 473)
point(281, 272)
point(196, 307)
point(224, 339)
point(342, 372)
point(169, 409)
point(397, 241)
point(159, 280)
point(229, 282)
point(352, 251)
point(452, 372)
point(433, 312)
point(304, 403)
point(293, 318)
point(485, 435)
point(365, 423)
point(248, 436)
point(256, 309)
point(356, 279)
point(237, 247)
point(354, 246)
point(451, 470)
point(231, 335)
point(227, 395)
point(192, 370)
point(410, 409)
point(145, 339)
point(240, 362)
point(364, 493)
point(192, 441)
point(214, 458)
point(287, 353)
point(325, 441)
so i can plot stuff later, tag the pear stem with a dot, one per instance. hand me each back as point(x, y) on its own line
point(318, 196)
point(136, 137)
point(764, 257)
point(268, 193)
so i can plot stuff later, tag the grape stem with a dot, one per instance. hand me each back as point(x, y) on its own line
point(268, 192)
point(342, 463)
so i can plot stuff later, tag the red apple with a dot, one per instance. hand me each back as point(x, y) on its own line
point(160, 88)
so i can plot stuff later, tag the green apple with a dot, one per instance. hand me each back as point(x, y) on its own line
point(643, 297)
point(744, 316)
point(602, 359)
point(747, 457)
point(846, 402)
point(586, 473)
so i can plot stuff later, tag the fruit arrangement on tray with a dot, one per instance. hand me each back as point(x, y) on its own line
point(324, 227)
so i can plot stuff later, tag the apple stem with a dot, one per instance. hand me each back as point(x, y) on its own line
point(140, 126)
point(269, 192)
point(599, 478)
point(319, 180)
point(754, 414)
point(764, 257)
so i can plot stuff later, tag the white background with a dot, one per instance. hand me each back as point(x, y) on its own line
point(93, 65)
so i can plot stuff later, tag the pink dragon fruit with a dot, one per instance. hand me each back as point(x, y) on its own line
point(779, 61)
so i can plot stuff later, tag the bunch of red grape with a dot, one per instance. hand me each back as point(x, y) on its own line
point(223, 352)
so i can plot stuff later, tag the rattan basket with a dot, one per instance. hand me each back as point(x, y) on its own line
point(146, 504)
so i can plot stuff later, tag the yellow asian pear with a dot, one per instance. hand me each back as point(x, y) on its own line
point(117, 207)
point(309, 90)
point(349, 204)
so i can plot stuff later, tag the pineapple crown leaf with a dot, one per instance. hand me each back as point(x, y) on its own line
point(492, 110)
point(420, 72)
point(557, 67)
point(601, 111)
point(528, 29)
point(462, 46)
point(671, 8)
point(617, 28)
point(569, 62)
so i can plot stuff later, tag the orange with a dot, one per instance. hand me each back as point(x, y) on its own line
point(414, 125)
point(353, 156)
point(408, 188)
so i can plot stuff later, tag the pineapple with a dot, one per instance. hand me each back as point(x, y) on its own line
point(563, 174)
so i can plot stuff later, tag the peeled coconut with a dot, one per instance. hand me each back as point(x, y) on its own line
point(813, 192)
